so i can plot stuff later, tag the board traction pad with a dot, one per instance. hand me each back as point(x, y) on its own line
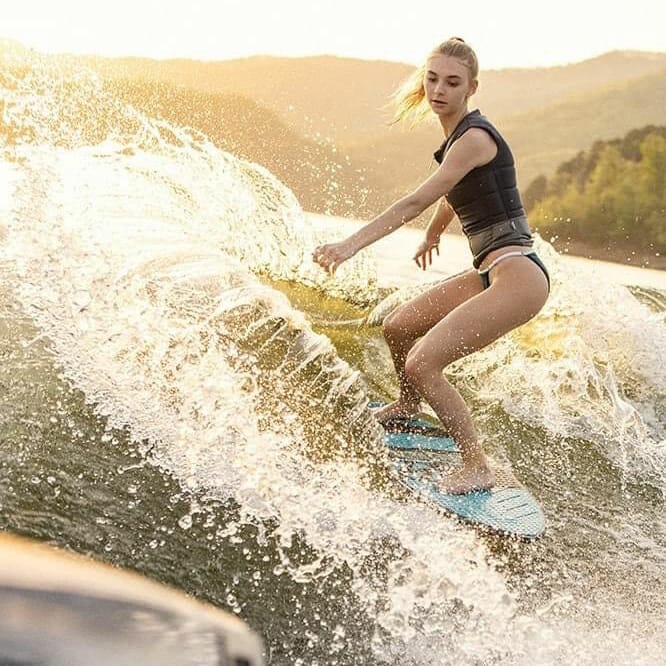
point(421, 452)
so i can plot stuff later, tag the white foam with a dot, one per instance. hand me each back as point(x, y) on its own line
point(142, 295)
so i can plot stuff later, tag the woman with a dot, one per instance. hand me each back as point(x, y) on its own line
point(507, 286)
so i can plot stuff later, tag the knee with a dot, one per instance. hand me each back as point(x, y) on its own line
point(414, 370)
point(420, 367)
point(424, 363)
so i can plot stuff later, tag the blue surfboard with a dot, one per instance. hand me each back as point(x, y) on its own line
point(421, 452)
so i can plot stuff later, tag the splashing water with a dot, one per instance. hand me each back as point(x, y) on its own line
point(138, 248)
point(587, 367)
point(148, 259)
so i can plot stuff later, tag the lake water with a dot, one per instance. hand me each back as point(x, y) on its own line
point(183, 393)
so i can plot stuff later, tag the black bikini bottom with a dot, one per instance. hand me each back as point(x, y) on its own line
point(485, 273)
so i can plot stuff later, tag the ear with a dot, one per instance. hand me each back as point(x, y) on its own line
point(473, 87)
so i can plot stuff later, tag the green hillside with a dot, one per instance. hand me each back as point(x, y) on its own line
point(542, 139)
point(612, 196)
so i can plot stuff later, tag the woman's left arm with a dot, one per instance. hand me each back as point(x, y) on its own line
point(474, 148)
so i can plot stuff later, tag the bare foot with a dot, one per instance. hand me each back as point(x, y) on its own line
point(396, 410)
point(466, 480)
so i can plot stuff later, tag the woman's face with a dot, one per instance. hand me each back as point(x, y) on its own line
point(447, 84)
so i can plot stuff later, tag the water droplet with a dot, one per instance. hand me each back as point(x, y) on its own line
point(185, 522)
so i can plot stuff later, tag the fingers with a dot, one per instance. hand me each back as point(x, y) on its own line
point(326, 258)
point(420, 260)
point(318, 254)
point(436, 249)
point(423, 256)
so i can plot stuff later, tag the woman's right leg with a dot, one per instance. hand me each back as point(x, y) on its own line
point(411, 321)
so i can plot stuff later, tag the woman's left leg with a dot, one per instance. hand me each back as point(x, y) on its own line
point(517, 292)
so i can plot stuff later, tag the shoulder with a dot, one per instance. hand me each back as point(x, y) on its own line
point(477, 129)
point(476, 142)
point(478, 120)
point(477, 137)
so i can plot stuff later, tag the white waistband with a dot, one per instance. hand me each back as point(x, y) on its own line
point(514, 253)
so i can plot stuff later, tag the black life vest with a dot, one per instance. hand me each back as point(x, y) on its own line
point(487, 194)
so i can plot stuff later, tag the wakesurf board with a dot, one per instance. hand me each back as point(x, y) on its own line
point(422, 452)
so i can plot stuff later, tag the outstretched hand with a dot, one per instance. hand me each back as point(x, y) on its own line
point(423, 255)
point(330, 256)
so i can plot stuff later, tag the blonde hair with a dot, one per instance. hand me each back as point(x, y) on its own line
point(409, 98)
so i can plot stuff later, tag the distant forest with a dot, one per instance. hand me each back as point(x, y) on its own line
point(613, 194)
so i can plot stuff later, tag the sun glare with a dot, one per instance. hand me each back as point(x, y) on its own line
point(514, 33)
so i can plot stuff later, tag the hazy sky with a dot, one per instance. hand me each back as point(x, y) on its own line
point(505, 33)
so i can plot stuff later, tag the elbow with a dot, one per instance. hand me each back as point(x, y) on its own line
point(414, 205)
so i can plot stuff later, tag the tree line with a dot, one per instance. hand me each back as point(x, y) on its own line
point(612, 195)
